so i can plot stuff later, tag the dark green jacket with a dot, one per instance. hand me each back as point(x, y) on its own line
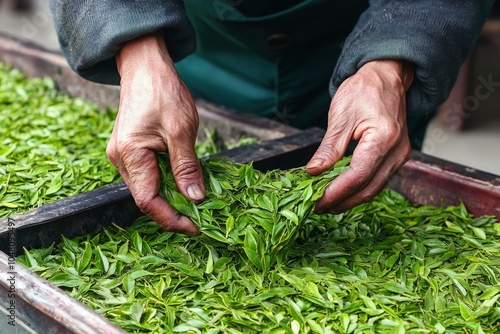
point(276, 58)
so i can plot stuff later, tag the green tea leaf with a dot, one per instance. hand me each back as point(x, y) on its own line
point(103, 260)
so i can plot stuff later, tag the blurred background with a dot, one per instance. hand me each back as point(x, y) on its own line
point(465, 130)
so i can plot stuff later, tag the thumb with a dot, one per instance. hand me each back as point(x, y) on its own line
point(187, 171)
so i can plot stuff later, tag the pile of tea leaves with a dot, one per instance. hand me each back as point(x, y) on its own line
point(383, 267)
point(51, 145)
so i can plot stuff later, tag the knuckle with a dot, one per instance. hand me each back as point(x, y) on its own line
point(366, 196)
point(393, 128)
point(171, 225)
point(358, 183)
point(404, 154)
point(407, 151)
point(328, 151)
point(166, 225)
point(392, 133)
point(125, 146)
point(111, 152)
point(185, 168)
point(181, 131)
point(143, 203)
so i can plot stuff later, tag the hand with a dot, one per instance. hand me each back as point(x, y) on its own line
point(370, 107)
point(156, 114)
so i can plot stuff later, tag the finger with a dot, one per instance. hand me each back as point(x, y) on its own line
point(334, 143)
point(351, 182)
point(366, 177)
point(366, 161)
point(364, 193)
point(186, 169)
point(161, 212)
point(142, 177)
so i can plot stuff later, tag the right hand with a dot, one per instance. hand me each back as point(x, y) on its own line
point(156, 114)
point(370, 107)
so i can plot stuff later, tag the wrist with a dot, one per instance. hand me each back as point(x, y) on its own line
point(397, 73)
point(146, 53)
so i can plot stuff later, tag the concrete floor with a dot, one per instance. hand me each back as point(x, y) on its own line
point(34, 25)
point(478, 143)
point(476, 146)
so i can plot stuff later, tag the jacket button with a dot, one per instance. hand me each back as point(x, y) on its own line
point(278, 41)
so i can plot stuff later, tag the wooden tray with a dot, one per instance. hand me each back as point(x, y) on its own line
point(427, 180)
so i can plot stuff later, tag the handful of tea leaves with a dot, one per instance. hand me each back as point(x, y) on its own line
point(258, 215)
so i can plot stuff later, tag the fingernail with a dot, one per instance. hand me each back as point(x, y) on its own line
point(195, 192)
point(315, 163)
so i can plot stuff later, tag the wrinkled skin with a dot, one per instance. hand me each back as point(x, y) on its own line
point(370, 107)
point(158, 114)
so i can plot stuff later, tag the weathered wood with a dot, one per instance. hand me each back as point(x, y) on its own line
point(71, 216)
point(44, 307)
point(428, 180)
point(283, 153)
point(232, 124)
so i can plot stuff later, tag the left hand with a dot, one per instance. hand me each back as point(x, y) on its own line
point(156, 114)
point(369, 107)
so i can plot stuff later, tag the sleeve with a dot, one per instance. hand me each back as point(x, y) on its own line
point(92, 32)
point(435, 35)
